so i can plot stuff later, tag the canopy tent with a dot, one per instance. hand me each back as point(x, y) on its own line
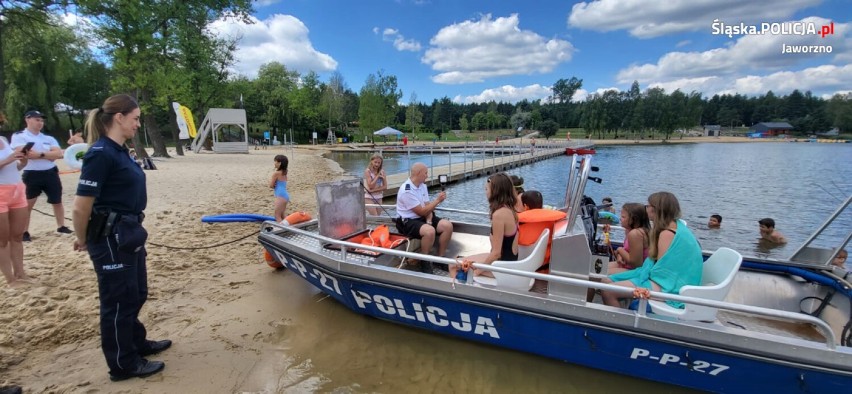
point(388, 131)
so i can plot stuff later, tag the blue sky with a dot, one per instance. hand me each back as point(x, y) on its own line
point(473, 51)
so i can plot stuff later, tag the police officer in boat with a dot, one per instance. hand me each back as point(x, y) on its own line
point(417, 214)
point(108, 214)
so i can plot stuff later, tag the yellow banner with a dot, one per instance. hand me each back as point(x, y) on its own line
point(187, 116)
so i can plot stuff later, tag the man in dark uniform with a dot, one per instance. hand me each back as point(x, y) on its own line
point(112, 195)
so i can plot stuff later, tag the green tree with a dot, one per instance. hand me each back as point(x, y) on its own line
point(564, 89)
point(464, 124)
point(839, 112)
point(413, 116)
point(142, 40)
point(41, 55)
point(548, 128)
point(442, 116)
point(305, 103)
point(478, 122)
point(519, 120)
point(378, 101)
point(275, 84)
point(334, 99)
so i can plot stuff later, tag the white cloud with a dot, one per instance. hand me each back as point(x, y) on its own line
point(507, 93)
point(475, 50)
point(647, 19)
point(399, 41)
point(747, 54)
point(825, 81)
point(683, 43)
point(279, 38)
point(821, 78)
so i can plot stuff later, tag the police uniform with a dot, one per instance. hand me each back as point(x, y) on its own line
point(409, 197)
point(116, 244)
point(40, 175)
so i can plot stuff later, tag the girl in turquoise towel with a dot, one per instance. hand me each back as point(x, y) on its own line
point(674, 259)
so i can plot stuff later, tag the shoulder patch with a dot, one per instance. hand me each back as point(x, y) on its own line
point(407, 186)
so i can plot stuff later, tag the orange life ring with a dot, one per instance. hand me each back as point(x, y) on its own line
point(270, 260)
point(296, 218)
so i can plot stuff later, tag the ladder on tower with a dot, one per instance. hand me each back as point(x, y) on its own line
point(331, 139)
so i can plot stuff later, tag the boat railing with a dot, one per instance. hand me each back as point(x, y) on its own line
point(386, 207)
point(803, 251)
point(822, 326)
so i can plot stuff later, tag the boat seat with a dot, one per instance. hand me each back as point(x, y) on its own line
point(530, 263)
point(716, 279)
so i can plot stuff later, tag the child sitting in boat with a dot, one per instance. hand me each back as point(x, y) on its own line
point(518, 184)
point(674, 259)
point(534, 219)
point(840, 260)
point(504, 224)
point(637, 226)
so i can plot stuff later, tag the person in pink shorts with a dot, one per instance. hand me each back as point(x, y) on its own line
point(14, 214)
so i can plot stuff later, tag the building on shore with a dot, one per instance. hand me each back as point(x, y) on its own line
point(712, 130)
point(770, 129)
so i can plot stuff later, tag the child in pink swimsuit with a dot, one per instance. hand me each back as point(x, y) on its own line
point(637, 226)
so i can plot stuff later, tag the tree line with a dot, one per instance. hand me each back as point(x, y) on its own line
point(161, 52)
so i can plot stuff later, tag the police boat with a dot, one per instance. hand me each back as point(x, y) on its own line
point(785, 321)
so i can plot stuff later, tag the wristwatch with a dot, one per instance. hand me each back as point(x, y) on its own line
point(41, 155)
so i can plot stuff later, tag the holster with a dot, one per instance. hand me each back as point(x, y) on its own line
point(100, 225)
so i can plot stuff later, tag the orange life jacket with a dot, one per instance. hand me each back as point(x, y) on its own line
point(532, 224)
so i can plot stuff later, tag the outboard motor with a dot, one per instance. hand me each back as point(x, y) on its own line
point(589, 212)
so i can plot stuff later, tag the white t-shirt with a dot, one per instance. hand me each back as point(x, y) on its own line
point(43, 144)
point(409, 197)
point(9, 174)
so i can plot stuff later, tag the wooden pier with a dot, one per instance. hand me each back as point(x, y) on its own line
point(494, 158)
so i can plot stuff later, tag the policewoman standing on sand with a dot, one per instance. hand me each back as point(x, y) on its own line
point(111, 197)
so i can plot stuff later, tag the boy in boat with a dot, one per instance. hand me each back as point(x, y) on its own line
point(840, 260)
point(769, 233)
point(715, 221)
point(417, 214)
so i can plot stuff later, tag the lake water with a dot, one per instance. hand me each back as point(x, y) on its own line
point(798, 184)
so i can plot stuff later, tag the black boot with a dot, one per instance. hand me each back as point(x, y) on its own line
point(144, 369)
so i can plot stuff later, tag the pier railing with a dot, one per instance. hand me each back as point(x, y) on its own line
point(477, 158)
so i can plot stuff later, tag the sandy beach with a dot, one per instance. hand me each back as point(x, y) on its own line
point(221, 306)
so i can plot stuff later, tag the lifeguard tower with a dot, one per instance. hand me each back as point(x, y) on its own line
point(216, 124)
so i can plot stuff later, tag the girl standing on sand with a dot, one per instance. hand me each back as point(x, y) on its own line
point(14, 214)
point(279, 184)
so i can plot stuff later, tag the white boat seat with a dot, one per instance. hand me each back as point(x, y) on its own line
point(716, 279)
point(530, 263)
